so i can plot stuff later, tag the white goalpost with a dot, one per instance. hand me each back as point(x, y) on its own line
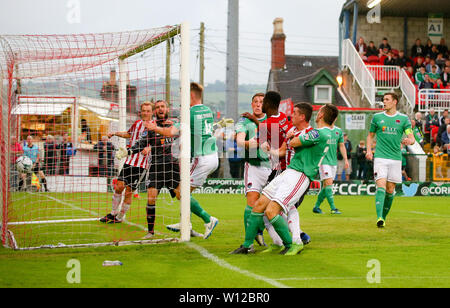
point(60, 96)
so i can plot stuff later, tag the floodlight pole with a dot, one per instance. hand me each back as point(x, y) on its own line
point(185, 137)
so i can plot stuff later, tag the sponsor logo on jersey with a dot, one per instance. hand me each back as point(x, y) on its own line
point(314, 134)
point(144, 133)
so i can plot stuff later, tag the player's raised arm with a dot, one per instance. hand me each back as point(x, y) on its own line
point(125, 135)
point(170, 131)
point(309, 139)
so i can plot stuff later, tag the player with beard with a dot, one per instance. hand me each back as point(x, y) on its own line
point(133, 169)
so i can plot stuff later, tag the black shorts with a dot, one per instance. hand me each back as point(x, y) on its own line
point(131, 175)
point(164, 175)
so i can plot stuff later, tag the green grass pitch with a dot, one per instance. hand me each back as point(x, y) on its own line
point(412, 250)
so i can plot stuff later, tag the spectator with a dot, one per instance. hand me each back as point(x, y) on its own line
point(420, 76)
point(431, 65)
point(235, 157)
point(51, 150)
point(445, 76)
point(427, 83)
point(390, 60)
point(442, 47)
point(443, 117)
point(431, 122)
point(384, 47)
point(105, 151)
point(410, 72)
point(361, 47)
point(341, 161)
point(85, 131)
point(402, 61)
point(438, 84)
point(404, 163)
point(67, 150)
point(428, 48)
point(419, 64)
point(440, 61)
point(417, 132)
point(441, 131)
point(434, 75)
point(434, 52)
point(419, 122)
point(418, 50)
point(371, 50)
point(445, 139)
point(362, 161)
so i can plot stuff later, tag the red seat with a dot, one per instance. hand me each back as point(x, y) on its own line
point(415, 60)
point(382, 58)
point(373, 60)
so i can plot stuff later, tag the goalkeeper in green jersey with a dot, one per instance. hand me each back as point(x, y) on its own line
point(290, 186)
point(388, 127)
point(204, 157)
point(327, 170)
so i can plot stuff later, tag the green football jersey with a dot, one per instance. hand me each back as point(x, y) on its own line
point(255, 157)
point(203, 141)
point(308, 157)
point(389, 132)
point(337, 136)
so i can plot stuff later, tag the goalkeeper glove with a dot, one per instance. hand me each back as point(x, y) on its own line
point(122, 153)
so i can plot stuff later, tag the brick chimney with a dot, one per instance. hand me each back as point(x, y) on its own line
point(112, 77)
point(278, 39)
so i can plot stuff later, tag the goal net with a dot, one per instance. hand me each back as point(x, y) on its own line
point(61, 97)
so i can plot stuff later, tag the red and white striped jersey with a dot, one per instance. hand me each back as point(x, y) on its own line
point(290, 150)
point(137, 160)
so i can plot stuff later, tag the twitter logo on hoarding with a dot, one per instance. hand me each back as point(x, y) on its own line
point(411, 190)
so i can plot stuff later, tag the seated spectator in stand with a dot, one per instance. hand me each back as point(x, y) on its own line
point(434, 74)
point(442, 130)
point(434, 52)
point(404, 163)
point(440, 61)
point(402, 61)
point(442, 47)
point(427, 83)
point(390, 60)
point(419, 64)
point(445, 76)
point(371, 50)
point(427, 61)
point(445, 139)
point(430, 66)
point(384, 48)
point(417, 132)
point(428, 47)
point(438, 84)
point(361, 48)
point(362, 161)
point(431, 123)
point(418, 50)
point(420, 76)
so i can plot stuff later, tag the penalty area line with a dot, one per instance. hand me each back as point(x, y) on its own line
point(222, 263)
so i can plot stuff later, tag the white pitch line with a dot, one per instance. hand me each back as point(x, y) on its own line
point(222, 263)
point(358, 278)
point(205, 253)
point(429, 214)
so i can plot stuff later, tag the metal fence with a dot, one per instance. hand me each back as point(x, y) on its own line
point(436, 99)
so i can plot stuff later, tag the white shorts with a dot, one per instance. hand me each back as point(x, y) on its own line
point(201, 167)
point(388, 169)
point(255, 178)
point(287, 188)
point(341, 165)
point(327, 172)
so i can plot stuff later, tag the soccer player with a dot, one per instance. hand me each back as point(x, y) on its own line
point(133, 169)
point(203, 151)
point(327, 171)
point(257, 166)
point(388, 127)
point(32, 151)
point(290, 186)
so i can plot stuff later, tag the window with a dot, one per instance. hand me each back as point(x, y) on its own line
point(322, 94)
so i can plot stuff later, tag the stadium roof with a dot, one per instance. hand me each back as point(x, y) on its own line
point(402, 8)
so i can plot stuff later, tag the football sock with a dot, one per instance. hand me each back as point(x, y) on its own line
point(255, 223)
point(123, 211)
point(247, 212)
point(20, 184)
point(329, 194)
point(282, 229)
point(320, 198)
point(379, 201)
point(387, 204)
point(276, 239)
point(151, 216)
point(293, 220)
point(199, 211)
point(44, 182)
point(116, 200)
